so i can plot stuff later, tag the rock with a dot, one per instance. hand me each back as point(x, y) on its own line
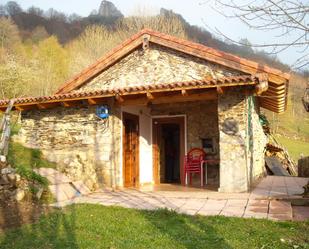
point(17, 178)
point(108, 9)
point(19, 194)
point(11, 177)
point(39, 193)
point(7, 170)
point(2, 159)
point(4, 180)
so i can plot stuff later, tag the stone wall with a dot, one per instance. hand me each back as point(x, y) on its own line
point(82, 145)
point(242, 142)
point(257, 142)
point(156, 65)
point(232, 130)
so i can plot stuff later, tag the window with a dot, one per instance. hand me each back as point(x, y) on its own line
point(208, 145)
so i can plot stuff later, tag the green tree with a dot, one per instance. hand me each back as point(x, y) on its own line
point(93, 43)
point(52, 63)
point(9, 34)
point(14, 77)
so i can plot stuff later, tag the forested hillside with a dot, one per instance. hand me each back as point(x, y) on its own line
point(39, 50)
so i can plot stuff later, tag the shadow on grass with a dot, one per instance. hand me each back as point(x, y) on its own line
point(184, 232)
point(96, 226)
point(57, 230)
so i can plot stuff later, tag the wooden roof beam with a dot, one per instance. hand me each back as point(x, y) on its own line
point(272, 106)
point(272, 91)
point(24, 107)
point(119, 98)
point(150, 96)
point(141, 101)
point(210, 95)
point(277, 101)
point(220, 90)
point(70, 103)
point(96, 101)
point(184, 92)
point(43, 106)
point(178, 97)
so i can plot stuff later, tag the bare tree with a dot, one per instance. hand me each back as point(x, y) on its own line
point(288, 19)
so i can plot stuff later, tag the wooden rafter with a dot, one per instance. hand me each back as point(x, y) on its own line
point(150, 96)
point(119, 98)
point(184, 92)
point(70, 103)
point(220, 90)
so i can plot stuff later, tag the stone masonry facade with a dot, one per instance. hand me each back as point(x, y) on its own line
point(87, 148)
point(156, 65)
point(82, 145)
point(242, 142)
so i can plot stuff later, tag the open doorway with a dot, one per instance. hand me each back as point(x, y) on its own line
point(168, 149)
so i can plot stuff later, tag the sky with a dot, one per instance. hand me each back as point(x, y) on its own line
point(196, 12)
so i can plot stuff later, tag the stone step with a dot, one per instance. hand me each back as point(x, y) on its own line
point(61, 186)
point(81, 187)
point(63, 191)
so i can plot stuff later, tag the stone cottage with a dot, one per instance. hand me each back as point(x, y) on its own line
point(129, 119)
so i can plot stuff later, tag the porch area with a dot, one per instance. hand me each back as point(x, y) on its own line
point(153, 154)
point(157, 137)
point(272, 199)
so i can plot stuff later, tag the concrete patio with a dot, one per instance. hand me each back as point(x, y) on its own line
point(270, 199)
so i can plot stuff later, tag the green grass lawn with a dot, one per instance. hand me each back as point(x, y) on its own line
point(294, 147)
point(94, 226)
point(30, 158)
point(24, 160)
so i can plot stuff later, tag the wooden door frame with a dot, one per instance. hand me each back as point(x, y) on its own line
point(177, 119)
point(135, 118)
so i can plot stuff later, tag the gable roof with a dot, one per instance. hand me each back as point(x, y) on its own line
point(247, 66)
point(274, 99)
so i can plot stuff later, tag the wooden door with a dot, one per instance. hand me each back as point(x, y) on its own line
point(156, 140)
point(130, 150)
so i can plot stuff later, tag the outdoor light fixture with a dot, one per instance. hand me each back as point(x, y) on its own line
point(102, 111)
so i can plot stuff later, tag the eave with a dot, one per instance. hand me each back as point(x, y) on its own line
point(139, 95)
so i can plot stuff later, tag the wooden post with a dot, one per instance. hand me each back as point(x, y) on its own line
point(6, 130)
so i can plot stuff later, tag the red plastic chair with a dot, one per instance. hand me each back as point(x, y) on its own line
point(193, 164)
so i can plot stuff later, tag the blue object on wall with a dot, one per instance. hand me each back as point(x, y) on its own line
point(102, 111)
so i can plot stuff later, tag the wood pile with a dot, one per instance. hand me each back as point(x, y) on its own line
point(274, 149)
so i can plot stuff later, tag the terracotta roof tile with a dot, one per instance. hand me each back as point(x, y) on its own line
point(134, 89)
